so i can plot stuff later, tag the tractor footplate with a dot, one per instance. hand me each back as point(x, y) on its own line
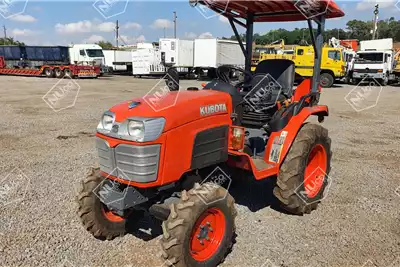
point(119, 197)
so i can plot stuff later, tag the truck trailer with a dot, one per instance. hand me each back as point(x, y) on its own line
point(118, 61)
point(48, 61)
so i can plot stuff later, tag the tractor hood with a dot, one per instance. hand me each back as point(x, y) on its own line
point(177, 107)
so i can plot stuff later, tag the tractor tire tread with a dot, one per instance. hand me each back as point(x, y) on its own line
point(291, 174)
point(88, 213)
point(181, 219)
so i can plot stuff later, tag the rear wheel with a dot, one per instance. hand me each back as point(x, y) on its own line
point(200, 227)
point(385, 81)
point(327, 80)
point(68, 73)
point(48, 72)
point(303, 178)
point(95, 216)
point(58, 73)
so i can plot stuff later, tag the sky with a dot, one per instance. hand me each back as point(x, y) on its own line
point(63, 22)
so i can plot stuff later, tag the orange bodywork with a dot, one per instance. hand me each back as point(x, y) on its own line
point(244, 161)
point(184, 121)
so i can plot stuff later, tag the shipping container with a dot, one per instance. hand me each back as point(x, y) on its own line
point(177, 52)
point(212, 53)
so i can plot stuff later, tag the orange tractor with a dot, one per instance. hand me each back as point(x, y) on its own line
point(168, 152)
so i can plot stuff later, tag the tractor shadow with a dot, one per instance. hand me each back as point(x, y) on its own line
point(254, 194)
point(146, 227)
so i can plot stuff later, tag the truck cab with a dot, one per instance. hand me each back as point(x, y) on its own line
point(373, 65)
point(87, 54)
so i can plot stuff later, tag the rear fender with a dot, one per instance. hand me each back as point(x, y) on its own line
point(280, 142)
point(278, 145)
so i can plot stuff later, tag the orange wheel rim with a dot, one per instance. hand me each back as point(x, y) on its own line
point(207, 234)
point(112, 217)
point(315, 170)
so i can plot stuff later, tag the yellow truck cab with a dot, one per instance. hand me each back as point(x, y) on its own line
point(332, 63)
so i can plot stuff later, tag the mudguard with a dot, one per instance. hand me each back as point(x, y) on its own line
point(278, 145)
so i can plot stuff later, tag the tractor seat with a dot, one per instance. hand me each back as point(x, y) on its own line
point(279, 71)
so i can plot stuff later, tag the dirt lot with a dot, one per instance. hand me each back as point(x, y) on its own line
point(48, 153)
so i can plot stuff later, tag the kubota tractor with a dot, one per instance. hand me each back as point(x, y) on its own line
point(156, 152)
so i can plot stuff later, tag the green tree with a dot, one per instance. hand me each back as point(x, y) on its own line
point(105, 45)
point(10, 41)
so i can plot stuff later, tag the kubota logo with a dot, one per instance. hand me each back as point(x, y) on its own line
point(211, 109)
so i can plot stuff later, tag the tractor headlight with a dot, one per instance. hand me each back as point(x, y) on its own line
point(136, 129)
point(107, 121)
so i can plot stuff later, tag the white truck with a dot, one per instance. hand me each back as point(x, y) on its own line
point(87, 55)
point(118, 60)
point(375, 60)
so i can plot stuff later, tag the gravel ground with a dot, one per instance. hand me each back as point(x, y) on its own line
point(44, 154)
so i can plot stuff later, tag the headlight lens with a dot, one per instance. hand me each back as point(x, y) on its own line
point(136, 130)
point(106, 122)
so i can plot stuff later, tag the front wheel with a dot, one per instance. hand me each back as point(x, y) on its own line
point(95, 216)
point(327, 80)
point(303, 176)
point(200, 227)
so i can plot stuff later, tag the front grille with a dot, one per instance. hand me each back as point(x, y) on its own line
point(129, 162)
point(366, 70)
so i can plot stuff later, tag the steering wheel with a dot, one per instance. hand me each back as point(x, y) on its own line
point(224, 71)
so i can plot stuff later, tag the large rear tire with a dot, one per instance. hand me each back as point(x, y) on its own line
point(303, 177)
point(199, 231)
point(96, 218)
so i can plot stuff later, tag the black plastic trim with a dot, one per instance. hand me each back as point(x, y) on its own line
point(210, 147)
